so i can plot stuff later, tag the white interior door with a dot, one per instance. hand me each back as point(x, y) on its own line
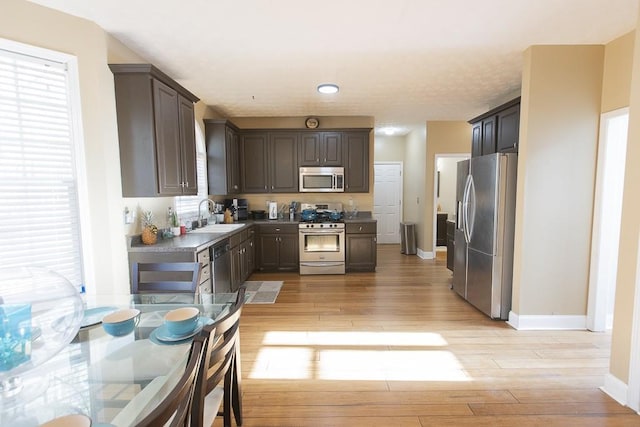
point(606, 219)
point(387, 200)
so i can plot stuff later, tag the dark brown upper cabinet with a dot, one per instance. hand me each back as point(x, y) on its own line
point(283, 165)
point(223, 157)
point(254, 163)
point(508, 129)
point(320, 149)
point(497, 130)
point(156, 131)
point(269, 162)
point(356, 168)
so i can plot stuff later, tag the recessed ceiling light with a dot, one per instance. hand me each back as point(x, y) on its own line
point(328, 88)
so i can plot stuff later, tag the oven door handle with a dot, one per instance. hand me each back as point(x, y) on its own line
point(326, 231)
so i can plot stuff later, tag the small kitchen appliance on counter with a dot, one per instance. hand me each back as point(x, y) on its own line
point(239, 208)
point(273, 210)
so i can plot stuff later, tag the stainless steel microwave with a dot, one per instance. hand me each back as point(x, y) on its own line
point(321, 180)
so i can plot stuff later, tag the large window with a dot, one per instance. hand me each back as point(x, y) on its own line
point(39, 207)
point(187, 206)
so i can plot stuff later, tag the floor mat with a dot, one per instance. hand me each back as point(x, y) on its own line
point(262, 292)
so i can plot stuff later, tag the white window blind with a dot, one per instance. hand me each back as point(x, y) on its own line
point(38, 188)
point(187, 206)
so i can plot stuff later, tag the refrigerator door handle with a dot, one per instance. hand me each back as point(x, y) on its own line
point(471, 209)
point(465, 209)
point(459, 215)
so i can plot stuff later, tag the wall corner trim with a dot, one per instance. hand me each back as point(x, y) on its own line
point(425, 255)
point(545, 322)
point(615, 388)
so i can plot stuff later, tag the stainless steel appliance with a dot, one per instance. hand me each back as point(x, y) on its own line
point(239, 208)
point(485, 216)
point(321, 179)
point(222, 267)
point(322, 240)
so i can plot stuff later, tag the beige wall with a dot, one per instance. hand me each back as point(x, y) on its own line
point(390, 148)
point(414, 178)
point(616, 79)
point(443, 137)
point(629, 232)
point(561, 95)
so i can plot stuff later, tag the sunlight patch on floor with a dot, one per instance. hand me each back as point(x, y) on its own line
point(288, 363)
point(356, 356)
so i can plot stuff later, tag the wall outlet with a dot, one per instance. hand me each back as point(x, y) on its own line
point(129, 216)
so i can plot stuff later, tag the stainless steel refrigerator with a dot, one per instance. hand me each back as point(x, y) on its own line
point(485, 214)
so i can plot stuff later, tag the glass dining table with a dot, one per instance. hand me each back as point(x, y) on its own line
point(113, 380)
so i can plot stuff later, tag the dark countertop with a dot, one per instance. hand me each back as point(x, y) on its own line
point(191, 242)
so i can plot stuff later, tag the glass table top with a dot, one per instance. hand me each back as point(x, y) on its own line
point(113, 380)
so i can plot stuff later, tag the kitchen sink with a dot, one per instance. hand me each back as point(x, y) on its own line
point(218, 228)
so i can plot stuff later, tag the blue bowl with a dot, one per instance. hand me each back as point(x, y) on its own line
point(182, 321)
point(121, 322)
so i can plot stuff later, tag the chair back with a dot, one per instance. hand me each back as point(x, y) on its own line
point(177, 405)
point(154, 277)
point(223, 337)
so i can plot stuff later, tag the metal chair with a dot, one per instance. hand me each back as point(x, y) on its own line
point(177, 405)
point(161, 277)
point(223, 366)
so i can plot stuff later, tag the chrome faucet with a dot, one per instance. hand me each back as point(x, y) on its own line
point(210, 205)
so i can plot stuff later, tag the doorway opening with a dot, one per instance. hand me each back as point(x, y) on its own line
point(444, 196)
point(606, 219)
point(387, 201)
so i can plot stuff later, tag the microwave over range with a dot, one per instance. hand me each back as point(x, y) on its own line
point(321, 180)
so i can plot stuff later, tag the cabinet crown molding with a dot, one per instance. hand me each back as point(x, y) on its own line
point(496, 110)
point(155, 73)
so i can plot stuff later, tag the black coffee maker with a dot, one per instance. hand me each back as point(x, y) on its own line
point(239, 208)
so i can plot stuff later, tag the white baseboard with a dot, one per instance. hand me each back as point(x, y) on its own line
point(544, 322)
point(615, 388)
point(425, 255)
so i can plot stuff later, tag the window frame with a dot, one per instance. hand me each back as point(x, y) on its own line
point(77, 136)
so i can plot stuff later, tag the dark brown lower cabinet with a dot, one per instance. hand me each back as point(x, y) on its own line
point(242, 257)
point(277, 247)
point(441, 229)
point(361, 246)
point(451, 227)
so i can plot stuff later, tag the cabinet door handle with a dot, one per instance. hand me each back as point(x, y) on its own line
point(360, 228)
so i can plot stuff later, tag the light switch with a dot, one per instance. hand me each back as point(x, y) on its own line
point(129, 216)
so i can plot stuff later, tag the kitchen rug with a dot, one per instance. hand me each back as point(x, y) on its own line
point(262, 292)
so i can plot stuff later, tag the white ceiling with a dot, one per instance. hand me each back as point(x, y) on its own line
point(402, 61)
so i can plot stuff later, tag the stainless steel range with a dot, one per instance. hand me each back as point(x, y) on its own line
point(321, 232)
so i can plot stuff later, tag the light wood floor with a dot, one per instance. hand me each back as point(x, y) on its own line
point(399, 348)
